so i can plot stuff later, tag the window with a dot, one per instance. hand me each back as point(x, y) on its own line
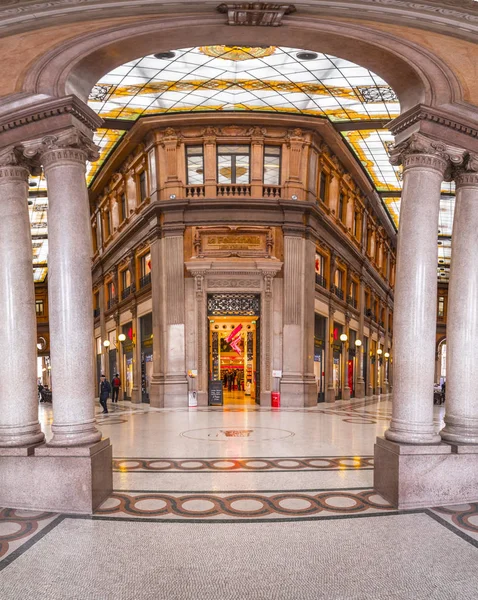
point(125, 279)
point(123, 207)
point(145, 264)
point(319, 264)
point(143, 194)
point(340, 211)
point(233, 164)
point(194, 165)
point(39, 307)
point(338, 278)
point(353, 290)
point(272, 156)
point(441, 306)
point(96, 300)
point(107, 224)
point(323, 187)
point(111, 290)
point(357, 225)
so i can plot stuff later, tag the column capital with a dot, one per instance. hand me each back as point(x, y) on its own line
point(424, 152)
point(68, 145)
point(14, 165)
point(467, 173)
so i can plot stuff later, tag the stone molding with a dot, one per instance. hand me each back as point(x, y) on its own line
point(421, 113)
point(68, 105)
point(233, 283)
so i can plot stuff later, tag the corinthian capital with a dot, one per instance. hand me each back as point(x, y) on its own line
point(421, 151)
point(13, 157)
point(467, 172)
point(71, 143)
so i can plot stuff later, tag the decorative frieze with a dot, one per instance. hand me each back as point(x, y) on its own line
point(233, 283)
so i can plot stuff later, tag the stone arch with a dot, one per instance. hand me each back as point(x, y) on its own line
point(416, 75)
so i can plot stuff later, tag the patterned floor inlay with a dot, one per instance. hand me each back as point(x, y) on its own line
point(462, 516)
point(18, 526)
point(247, 505)
point(228, 465)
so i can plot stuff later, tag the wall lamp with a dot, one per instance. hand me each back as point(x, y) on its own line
point(358, 343)
point(343, 338)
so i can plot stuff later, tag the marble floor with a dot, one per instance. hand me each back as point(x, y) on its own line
point(242, 502)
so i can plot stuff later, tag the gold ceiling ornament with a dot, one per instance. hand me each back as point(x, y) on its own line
point(237, 52)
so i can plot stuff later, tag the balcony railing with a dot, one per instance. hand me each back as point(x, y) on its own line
point(96, 313)
point(352, 301)
point(194, 191)
point(233, 190)
point(126, 292)
point(145, 280)
point(337, 291)
point(320, 280)
point(271, 191)
point(112, 302)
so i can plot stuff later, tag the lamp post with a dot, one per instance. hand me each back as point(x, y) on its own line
point(385, 379)
point(343, 339)
point(358, 361)
point(379, 370)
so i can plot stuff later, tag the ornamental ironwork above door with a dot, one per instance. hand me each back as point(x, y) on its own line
point(234, 304)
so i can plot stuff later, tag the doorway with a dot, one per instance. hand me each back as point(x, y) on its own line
point(234, 342)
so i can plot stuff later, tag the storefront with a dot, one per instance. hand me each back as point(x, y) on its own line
point(320, 327)
point(234, 342)
point(128, 349)
point(146, 330)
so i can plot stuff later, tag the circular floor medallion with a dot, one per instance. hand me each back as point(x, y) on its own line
point(224, 434)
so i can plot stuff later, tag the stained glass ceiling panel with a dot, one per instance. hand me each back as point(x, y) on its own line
point(232, 78)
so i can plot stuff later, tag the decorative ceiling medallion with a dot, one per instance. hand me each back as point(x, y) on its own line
point(237, 52)
point(262, 14)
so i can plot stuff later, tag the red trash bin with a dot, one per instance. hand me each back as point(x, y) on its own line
point(275, 399)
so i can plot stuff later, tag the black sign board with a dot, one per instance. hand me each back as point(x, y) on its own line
point(215, 393)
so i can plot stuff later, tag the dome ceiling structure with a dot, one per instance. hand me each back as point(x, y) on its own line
point(262, 79)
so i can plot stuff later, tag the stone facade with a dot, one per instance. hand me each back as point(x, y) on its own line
point(316, 238)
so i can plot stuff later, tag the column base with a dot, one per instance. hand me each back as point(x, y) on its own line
point(136, 396)
point(297, 392)
point(29, 435)
point(346, 394)
point(360, 390)
point(411, 476)
point(266, 398)
point(330, 395)
point(67, 480)
point(460, 430)
point(369, 391)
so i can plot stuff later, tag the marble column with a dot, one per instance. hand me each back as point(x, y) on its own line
point(461, 418)
point(298, 387)
point(360, 383)
point(136, 390)
point(69, 288)
point(18, 391)
point(169, 385)
point(424, 163)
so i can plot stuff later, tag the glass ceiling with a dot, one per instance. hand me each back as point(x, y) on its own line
point(268, 79)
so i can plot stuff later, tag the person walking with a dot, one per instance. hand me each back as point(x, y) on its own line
point(239, 380)
point(105, 390)
point(116, 383)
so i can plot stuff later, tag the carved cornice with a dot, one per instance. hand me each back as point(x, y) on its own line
point(426, 113)
point(49, 109)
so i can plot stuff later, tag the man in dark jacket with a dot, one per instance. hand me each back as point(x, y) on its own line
point(105, 390)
